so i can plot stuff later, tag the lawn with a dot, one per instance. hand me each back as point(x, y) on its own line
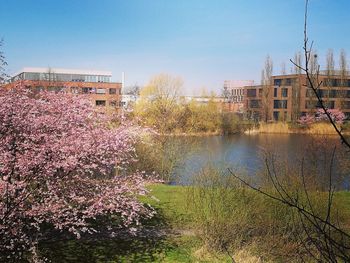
point(172, 238)
point(176, 241)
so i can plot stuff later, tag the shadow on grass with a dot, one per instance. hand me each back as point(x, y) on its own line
point(149, 245)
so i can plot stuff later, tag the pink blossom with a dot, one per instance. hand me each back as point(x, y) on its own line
point(62, 164)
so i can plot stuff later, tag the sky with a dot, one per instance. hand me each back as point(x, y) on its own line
point(203, 42)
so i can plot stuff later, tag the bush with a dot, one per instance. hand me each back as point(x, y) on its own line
point(230, 217)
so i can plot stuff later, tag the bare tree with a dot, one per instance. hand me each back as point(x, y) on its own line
point(296, 86)
point(3, 64)
point(298, 61)
point(343, 67)
point(330, 63)
point(283, 68)
point(266, 86)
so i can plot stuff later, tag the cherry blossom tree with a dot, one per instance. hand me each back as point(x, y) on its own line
point(337, 116)
point(62, 165)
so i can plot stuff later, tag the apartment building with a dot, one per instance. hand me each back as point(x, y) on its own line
point(288, 97)
point(97, 84)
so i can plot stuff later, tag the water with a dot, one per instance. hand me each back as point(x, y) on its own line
point(247, 153)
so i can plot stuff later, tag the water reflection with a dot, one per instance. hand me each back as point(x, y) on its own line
point(247, 153)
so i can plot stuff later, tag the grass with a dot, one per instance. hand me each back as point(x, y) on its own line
point(320, 128)
point(170, 201)
point(179, 244)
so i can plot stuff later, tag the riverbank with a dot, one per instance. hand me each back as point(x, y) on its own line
point(286, 128)
point(269, 128)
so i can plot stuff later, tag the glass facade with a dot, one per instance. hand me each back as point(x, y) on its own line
point(51, 76)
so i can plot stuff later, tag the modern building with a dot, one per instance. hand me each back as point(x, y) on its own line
point(97, 84)
point(234, 93)
point(289, 96)
point(234, 89)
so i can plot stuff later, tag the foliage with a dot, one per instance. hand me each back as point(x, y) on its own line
point(162, 155)
point(57, 168)
point(161, 107)
point(202, 117)
point(231, 217)
point(158, 105)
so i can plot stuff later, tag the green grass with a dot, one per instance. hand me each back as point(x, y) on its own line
point(172, 213)
point(171, 202)
point(179, 245)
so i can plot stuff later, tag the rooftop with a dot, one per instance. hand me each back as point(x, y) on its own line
point(65, 71)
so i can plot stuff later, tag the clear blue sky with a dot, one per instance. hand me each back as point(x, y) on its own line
point(205, 42)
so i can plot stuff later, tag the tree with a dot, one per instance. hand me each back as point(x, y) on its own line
point(343, 66)
point(58, 163)
point(330, 63)
point(3, 64)
point(266, 86)
point(337, 116)
point(158, 105)
point(297, 59)
point(283, 68)
point(296, 90)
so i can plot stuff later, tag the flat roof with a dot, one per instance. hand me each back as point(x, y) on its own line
point(65, 71)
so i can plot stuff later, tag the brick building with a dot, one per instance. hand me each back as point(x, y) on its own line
point(288, 97)
point(97, 84)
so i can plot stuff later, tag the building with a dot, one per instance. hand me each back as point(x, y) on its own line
point(233, 91)
point(288, 97)
point(97, 84)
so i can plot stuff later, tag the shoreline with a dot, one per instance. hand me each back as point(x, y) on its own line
point(268, 128)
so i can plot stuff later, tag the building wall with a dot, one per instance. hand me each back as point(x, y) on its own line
point(289, 97)
point(102, 94)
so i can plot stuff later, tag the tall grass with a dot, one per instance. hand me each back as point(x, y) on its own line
point(320, 128)
point(231, 218)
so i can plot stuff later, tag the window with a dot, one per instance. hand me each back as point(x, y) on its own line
point(277, 82)
point(284, 92)
point(88, 90)
point(112, 91)
point(332, 83)
point(288, 82)
point(276, 115)
point(332, 93)
point(280, 104)
point(251, 93)
point(346, 105)
point(32, 76)
point(100, 103)
point(330, 104)
point(100, 91)
point(322, 93)
point(254, 104)
point(54, 89)
point(275, 92)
